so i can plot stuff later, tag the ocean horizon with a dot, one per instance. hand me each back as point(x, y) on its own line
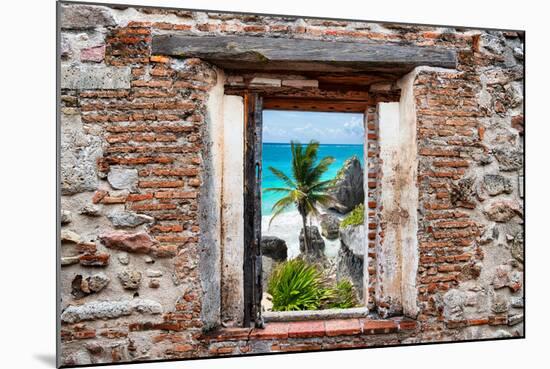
point(278, 155)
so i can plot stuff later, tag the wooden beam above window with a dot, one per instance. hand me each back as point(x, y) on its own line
point(346, 106)
point(264, 53)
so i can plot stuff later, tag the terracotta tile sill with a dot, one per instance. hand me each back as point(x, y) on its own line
point(315, 328)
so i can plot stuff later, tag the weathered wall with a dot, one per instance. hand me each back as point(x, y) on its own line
point(141, 229)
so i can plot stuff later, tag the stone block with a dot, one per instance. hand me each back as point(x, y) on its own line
point(79, 154)
point(109, 310)
point(85, 17)
point(92, 77)
point(123, 178)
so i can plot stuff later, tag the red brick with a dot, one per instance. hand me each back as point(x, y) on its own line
point(314, 328)
point(160, 184)
point(98, 195)
point(139, 197)
point(153, 207)
point(229, 334)
point(271, 331)
point(113, 200)
point(176, 195)
point(379, 326)
point(94, 260)
point(481, 321)
point(407, 325)
point(342, 327)
point(183, 348)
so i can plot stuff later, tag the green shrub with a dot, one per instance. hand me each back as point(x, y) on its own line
point(297, 285)
point(355, 217)
point(342, 296)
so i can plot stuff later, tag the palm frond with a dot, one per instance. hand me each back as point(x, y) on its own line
point(277, 189)
point(323, 186)
point(283, 177)
point(280, 206)
point(317, 171)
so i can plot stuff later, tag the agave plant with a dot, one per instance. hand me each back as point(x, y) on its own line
point(304, 188)
point(342, 296)
point(297, 285)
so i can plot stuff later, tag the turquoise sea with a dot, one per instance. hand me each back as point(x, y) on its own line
point(278, 155)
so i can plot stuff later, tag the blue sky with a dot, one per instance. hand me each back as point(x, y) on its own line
point(328, 128)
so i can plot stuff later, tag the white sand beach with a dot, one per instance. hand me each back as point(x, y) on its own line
point(288, 225)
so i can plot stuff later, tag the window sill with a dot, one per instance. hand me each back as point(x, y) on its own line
point(293, 316)
point(315, 329)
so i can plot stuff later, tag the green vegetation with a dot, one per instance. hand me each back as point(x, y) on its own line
point(298, 285)
point(305, 190)
point(342, 296)
point(355, 217)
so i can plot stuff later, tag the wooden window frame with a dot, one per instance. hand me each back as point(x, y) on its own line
point(254, 104)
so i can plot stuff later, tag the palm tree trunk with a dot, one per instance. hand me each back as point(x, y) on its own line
point(306, 235)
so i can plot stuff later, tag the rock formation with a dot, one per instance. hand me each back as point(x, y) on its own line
point(348, 189)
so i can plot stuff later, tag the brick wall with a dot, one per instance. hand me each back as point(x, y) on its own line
point(134, 158)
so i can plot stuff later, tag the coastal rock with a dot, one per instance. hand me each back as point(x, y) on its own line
point(330, 226)
point(353, 237)
point(351, 255)
point(348, 190)
point(274, 248)
point(317, 244)
point(267, 268)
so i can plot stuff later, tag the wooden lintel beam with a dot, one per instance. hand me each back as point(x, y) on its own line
point(263, 53)
point(324, 105)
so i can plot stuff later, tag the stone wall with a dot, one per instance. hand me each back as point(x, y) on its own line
point(140, 241)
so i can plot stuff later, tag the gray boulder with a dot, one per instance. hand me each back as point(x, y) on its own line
point(348, 190)
point(351, 255)
point(274, 248)
point(317, 244)
point(330, 226)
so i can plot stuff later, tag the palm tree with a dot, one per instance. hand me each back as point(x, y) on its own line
point(305, 190)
